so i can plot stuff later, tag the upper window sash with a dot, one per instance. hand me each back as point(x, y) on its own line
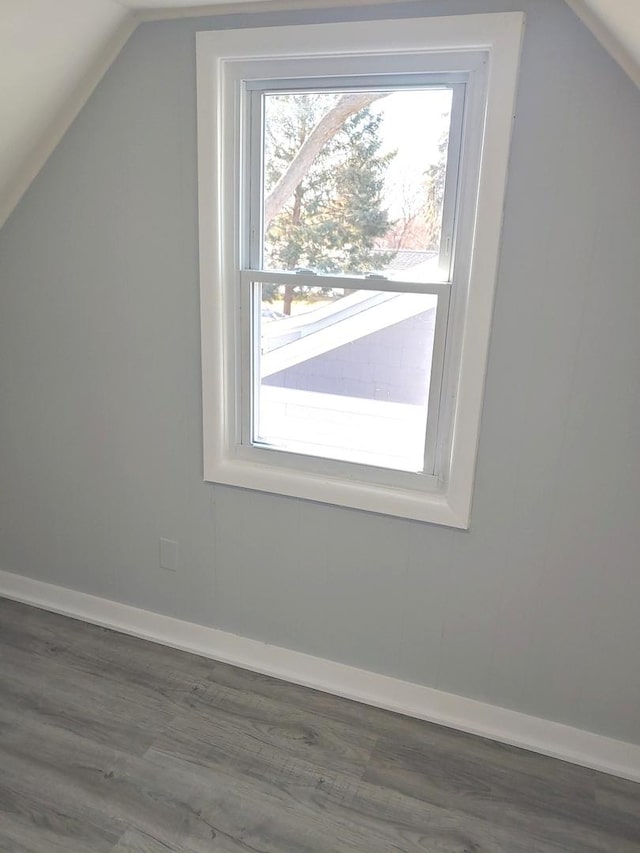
point(254, 91)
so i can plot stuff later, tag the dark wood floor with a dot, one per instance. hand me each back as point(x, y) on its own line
point(109, 743)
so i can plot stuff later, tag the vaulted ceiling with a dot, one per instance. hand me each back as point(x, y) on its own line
point(54, 52)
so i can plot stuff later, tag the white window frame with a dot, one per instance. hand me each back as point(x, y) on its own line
point(486, 49)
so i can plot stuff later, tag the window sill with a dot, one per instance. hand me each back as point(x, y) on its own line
point(428, 501)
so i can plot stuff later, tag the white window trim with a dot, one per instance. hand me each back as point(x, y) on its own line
point(221, 57)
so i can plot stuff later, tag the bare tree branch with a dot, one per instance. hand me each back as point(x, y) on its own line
point(325, 129)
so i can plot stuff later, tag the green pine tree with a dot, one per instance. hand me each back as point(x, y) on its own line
point(335, 215)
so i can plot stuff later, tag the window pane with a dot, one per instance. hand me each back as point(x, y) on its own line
point(354, 182)
point(345, 374)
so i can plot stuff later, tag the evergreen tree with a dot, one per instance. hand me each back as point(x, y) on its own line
point(434, 192)
point(334, 217)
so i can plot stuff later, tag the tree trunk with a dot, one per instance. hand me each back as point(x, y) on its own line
point(287, 299)
point(289, 289)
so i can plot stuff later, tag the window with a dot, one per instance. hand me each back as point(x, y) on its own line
point(351, 188)
point(350, 264)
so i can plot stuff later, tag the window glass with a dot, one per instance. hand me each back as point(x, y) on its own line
point(345, 374)
point(353, 182)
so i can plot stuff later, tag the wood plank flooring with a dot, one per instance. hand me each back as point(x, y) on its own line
point(109, 744)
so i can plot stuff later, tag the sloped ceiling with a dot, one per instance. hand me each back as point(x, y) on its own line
point(47, 50)
point(54, 52)
point(616, 24)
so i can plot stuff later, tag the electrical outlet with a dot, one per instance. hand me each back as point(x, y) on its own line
point(169, 555)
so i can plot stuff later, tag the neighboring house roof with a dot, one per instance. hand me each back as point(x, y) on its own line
point(45, 80)
point(305, 336)
point(405, 259)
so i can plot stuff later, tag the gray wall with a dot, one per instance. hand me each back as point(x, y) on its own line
point(536, 607)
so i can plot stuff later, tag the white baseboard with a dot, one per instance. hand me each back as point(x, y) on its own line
point(533, 733)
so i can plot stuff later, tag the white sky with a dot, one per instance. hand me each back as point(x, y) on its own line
point(413, 124)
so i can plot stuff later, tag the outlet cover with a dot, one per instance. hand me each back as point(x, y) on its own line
point(169, 555)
